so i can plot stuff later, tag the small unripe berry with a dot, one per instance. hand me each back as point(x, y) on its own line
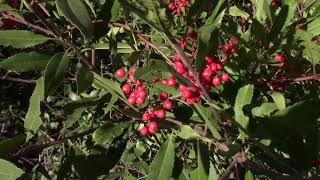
point(144, 131)
point(216, 81)
point(126, 88)
point(164, 96)
point(120, 73)
point(153, 127)
point(168, 105)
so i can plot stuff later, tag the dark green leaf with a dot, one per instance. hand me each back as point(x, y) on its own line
point(76, 12)
point(9, 145)
point(106, 134)
point(202, 171)
point(55, 72)
point(21, 38)
point(84, 78)
point(186, 132)
point(24, 62)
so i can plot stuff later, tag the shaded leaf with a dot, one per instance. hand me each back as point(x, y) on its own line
point(279, 99)
point(186, 132)
point(106, 134)
point(24, 62)
point(9, 145)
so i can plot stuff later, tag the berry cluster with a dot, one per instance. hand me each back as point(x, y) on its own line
point(176, 6)
point(230, 47)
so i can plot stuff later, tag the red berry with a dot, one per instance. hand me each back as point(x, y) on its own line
point(144, 131)
point(187, 94)
point(146, 116)
point(182, 87)
point(192, 34)
point(209, 59)
point(226, 48)
point(142, 93)
point(179, 11)
point(219, 67)
point(139, 82)
point(132, 100)
point(120, 73)
point(126, 88)
point(183, 43)
point(177, 58)
point(225, 77)
point(216, 81)
point(171, 81)
point(279, 58)
point(161, 114)
point(172, 6)
point(164, 96)
point(180, 68)
point(153, 127)
point(207, 71)
point(168, 105)
point(140, 100)
point(214, 67)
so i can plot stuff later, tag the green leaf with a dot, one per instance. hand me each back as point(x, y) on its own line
point(314, 26)
point(9, 145)
point(115, 10)
point(196, 9)
point(122, 48)
point(9, 171)
point(213, 173)
point(33, 120)
point(279, 99)
point(24, 62)
point(106, 134)
point(84, 78)
point(216, 13)
point(186, 132)
point(154, 69)
point(236, 12)
point(264, 110)
point(248, 175)
point(243, 98)
point(184, 175)
point(162, 165)
point(21, 38)
point(212, 123)
point(311, 51)
point(263, 12)
point(74, 117)
point(55, 72)
point(202, 171)
point(76, 12)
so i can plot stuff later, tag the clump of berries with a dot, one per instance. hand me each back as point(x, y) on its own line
point(177, 6)
point(281, 59)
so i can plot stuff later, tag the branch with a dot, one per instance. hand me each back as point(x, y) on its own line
point(31, 81)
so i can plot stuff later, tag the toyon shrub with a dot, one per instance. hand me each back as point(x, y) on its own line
point(159, 89)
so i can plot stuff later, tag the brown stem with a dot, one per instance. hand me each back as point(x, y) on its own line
point(307, 78)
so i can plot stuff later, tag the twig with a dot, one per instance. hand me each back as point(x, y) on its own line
point(22, 21)
point(36, 148)
point(174, 121)
point(307, 78)
point(27, 81)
